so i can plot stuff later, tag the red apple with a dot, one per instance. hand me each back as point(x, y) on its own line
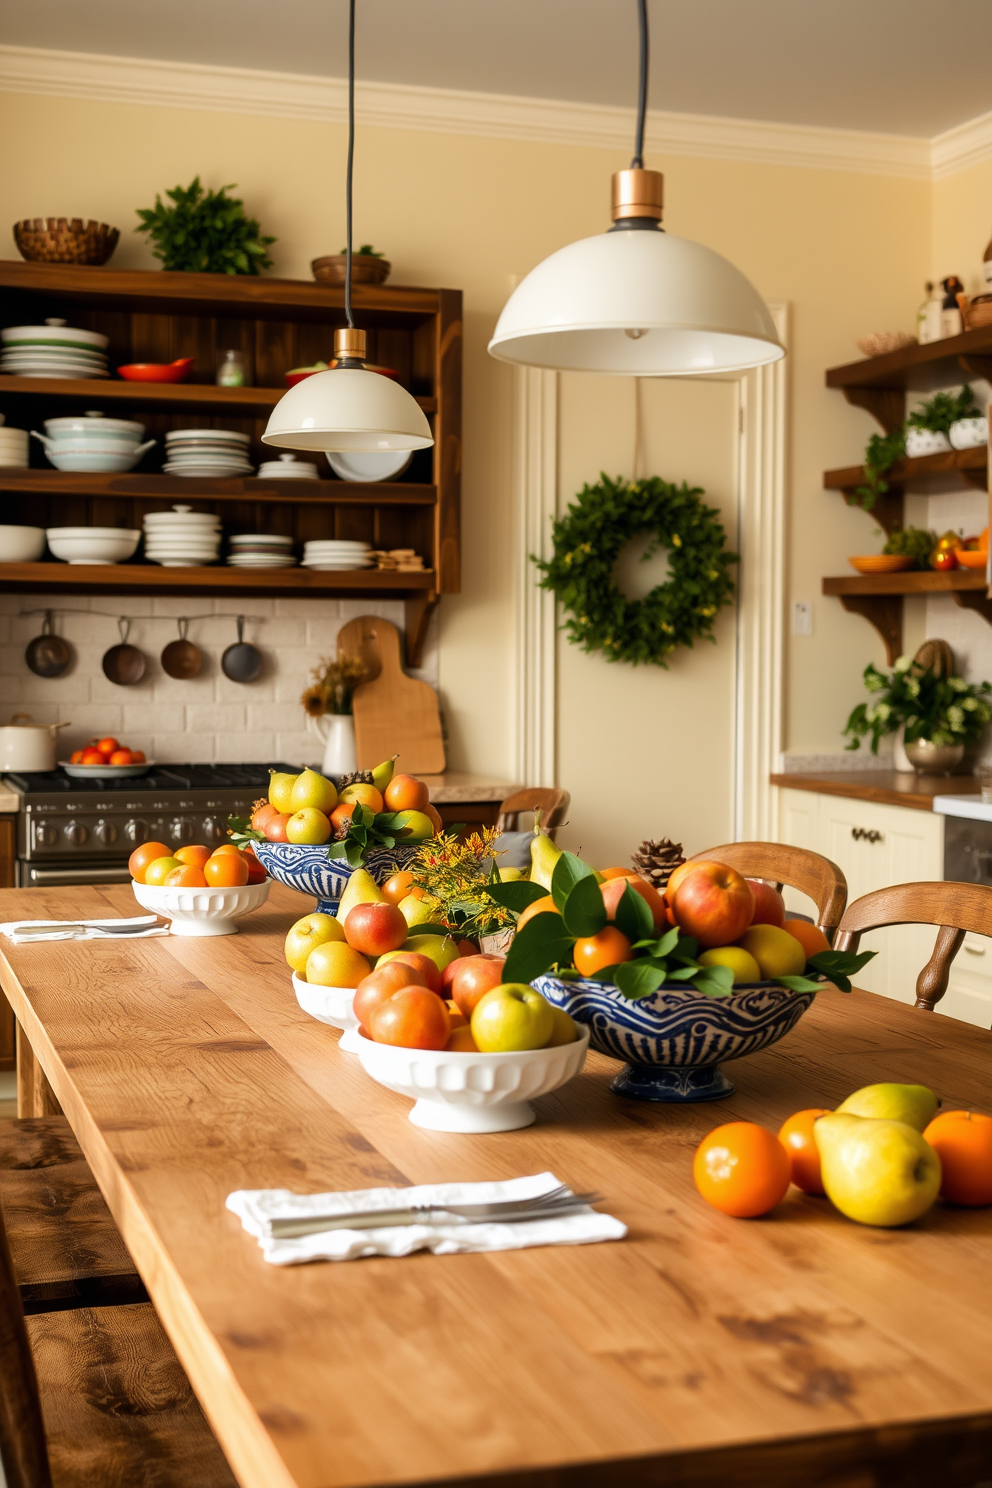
point(474, 977)
point(375, 929)
point(613, 889)
point(714, 904)
point(769, 906)
point(430, 974)
point(379, 986)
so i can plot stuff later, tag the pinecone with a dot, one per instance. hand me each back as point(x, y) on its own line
point(657, 861)
point(357, 777)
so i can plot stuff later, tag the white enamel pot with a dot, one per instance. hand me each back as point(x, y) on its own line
point(25, 745)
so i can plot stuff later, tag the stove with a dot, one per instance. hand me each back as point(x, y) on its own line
point(83, 831)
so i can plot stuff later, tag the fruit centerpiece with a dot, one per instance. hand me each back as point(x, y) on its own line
point(201, 890)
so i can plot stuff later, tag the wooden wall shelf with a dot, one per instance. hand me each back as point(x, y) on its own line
point(152, 395)
point(879, 598)
point(923, 474)
point(879, 384)
point(166, 490)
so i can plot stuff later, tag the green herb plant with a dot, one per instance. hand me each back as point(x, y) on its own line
point(944, 409)
point(944, 710)
point(546, 942)
point(205, 232)
point(366, 251)
point(912, 542)
point(881, 453)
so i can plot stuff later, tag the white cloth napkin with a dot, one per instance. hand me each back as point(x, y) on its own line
point(59, 929)
point(257, 1207)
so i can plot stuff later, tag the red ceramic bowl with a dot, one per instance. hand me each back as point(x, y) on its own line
point(300, 373)
point(156, 371)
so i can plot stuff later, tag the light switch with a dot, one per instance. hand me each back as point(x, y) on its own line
point(802, 617)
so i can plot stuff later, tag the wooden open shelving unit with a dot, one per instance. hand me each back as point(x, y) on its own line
point(280, 323)
point(879, 384)
point(924, 473)
point(879, 597)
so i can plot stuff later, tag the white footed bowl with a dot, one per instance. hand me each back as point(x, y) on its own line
point(201, 911)
point(331, 1005)
point(472, 1092)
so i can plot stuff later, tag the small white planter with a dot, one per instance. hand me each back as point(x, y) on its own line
point(925, 442)
point(969, 433)
point(201, 911)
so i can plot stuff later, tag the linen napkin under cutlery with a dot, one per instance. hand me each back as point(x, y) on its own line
point(23, 931)
point(261, 1209)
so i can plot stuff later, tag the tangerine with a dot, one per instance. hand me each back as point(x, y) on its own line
point(196, 854)
point(186, 876)
point(92, 756)
point(540, 906)
point(796, 1135)
point(398, 887)
point(225, 871)
point(137, 756)
point(107, 745)
point(963, 1142)
point(340, 820)
point(143, 856)
point(592, 952)
point(121, 757)
point(810, 937)
point(741, 1169)
point(225, 847)
point(608, 873)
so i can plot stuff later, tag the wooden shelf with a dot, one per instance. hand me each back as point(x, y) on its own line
point(168, 395)
point(879, 384)
point(879, 598)
point(172, 488)
point(924, 473)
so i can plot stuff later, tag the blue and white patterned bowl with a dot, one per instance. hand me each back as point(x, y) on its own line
point(676, 1039)
point(310, 870)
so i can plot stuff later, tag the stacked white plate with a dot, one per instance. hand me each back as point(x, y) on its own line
point(182, 538)
point(261, 550)
point(207, 452)
point(287, 467)
point(13, 448)
point(53, 350)
point(335, 553)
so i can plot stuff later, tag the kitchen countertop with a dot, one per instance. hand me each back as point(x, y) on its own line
point(454, 786)
point(970, 806)
point(887, 787)
point(8, 800)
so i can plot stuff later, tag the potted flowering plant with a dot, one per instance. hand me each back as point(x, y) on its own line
point(327, 704)
point(940, 714)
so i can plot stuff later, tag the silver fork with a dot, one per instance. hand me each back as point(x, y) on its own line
point(548, 1205)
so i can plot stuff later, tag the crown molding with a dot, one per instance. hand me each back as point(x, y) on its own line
point(131, 80)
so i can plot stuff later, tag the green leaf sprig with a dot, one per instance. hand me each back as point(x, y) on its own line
point(241, 832)
point(205, 231)
point(367, 830)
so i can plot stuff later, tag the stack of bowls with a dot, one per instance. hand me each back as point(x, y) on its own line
point(261, 550)
point(93, 442)
point(13, 447)
point(287, 467)
point(182, 538)
point(333, 553)
point(53, 350)
point(206, 452)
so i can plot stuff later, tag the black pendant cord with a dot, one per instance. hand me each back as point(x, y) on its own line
point(351, 158)
point(642, 85)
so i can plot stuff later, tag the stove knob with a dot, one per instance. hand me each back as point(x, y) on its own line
point(105, 832)
point(213, 829)
point(136, 831)
point(46, 833)
point(76, 833)
point(181, 829)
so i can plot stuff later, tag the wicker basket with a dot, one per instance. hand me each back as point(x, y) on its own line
point(976, 312)
point(364, 269)
point(59, 240)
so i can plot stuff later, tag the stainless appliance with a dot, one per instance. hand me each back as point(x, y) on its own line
point(84, 831)
point(968, 850)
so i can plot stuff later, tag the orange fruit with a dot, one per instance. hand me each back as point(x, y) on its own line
point(107, 745)
point(963, 1142)
point(137, 756)
point(461, 1041)
point(186, 876)
point(810, 937)
point(121, 757)
point(796, 1135)
point(92, 757)
point(225, 847)
point(406, 793)
point(540, 906)
point(226, 871)
point(364, 794)
point(340, 818)
point(142, 856)
point(741, 1169)
point(196, 854)
point(434, 817)
point(592, 952)
point(398, 887)
point(262, 814)
point(609, 873)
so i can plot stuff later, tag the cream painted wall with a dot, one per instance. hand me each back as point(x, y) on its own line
point(848, 252)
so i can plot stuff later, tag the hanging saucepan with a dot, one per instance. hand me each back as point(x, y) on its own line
point(124, 664)
point(48, 655)
point(181, 659)
point(241, 662)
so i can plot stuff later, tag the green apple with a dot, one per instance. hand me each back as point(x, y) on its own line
point(419, 826)
point(877, 1172)
point(309, 826)
point(414, 911)
point(740, 961)
point(512, 1016)
point(442, 949)
point(914, 1104)
point(313, 930)
point(311, 789)
point(361, 888)
point(281, 791)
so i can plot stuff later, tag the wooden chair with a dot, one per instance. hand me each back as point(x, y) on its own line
point(96, 1396)
point(794, 867)
point(551, 802)
point(956, 908)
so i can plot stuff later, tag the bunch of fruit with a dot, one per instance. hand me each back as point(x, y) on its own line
point(308, 809)
point(107, 751)
point(881, 1158)
point(195, 867)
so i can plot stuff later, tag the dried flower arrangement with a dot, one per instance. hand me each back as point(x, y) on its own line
point(332, 687)
point(454, 874)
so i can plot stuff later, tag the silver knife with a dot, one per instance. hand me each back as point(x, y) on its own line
point(374, 1219)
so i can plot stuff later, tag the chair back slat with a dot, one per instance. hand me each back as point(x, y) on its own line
point(550, 801)
point(22, 1428)
point(813, 875)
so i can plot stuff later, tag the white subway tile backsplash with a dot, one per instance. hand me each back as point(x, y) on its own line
point(244, 746)
point(206, 718)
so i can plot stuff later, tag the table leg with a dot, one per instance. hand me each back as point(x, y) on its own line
point(35, 1097)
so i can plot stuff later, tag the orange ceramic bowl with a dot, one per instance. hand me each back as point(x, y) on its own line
point(974, 558)
point(156, 371)
point(877, 563)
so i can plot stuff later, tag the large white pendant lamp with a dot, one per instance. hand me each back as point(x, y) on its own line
point(635, 300)
point(349, 407)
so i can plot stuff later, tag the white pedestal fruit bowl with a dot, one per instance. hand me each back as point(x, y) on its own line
point(201, 911)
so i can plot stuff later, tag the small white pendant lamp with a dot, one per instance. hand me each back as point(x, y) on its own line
point(635, 300)
point(349, 407)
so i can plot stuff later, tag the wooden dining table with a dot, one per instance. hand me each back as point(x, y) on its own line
point(795, 1349)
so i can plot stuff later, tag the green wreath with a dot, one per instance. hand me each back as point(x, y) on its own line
point(587, 541)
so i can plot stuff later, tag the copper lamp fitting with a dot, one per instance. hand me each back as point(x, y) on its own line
point(638, 193)
point(349, 342)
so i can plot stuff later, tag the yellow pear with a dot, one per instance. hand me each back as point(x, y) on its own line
point(914, 1104)
point(383, 774)
point(281, 791)
point(543, 860)
point(876, 1172)
point(509, 875)
point(360, 889)
point(310, 788)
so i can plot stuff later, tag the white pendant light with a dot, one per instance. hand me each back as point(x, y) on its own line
point(635, 300)
point(349, 407)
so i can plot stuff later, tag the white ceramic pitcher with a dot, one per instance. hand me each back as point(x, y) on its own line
point(337, 730)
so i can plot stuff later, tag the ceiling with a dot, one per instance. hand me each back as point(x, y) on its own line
point(913, 67)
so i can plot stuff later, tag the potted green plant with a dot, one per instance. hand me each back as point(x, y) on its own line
point(928, 427)
point(912, 542)
point(205, 232)
point(940, 715)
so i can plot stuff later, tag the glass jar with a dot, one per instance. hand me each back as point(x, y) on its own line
point(233, 369)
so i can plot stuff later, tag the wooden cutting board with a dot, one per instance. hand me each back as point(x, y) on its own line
point(393, 712)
